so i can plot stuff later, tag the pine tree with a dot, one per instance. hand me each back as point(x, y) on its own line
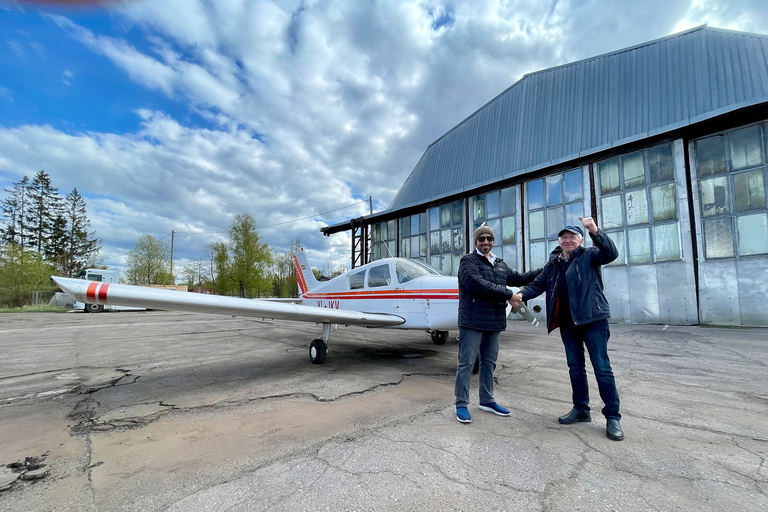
point(80, 245)
point(14, 210)
point(44, 207)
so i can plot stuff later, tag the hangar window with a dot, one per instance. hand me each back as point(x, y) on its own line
point(498, 209)
point(446, 236)
point(553, 203)
point(732, 190)
point(413, 237)
point(383, 240)
point(638, 205)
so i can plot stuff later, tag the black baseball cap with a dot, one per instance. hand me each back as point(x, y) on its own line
point(573, 229)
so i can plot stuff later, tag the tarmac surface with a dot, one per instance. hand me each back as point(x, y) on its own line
point(179, 411)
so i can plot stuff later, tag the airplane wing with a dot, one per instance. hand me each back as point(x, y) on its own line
point(91, 292)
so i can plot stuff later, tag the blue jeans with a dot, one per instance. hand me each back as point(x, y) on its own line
point(472, 342)
point(595, 336)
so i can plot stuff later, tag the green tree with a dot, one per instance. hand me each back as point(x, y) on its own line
point(149, 262)
point(249, 259)
point(218, 261)
point(22, 271)
point(44, 207)
point(80, 245)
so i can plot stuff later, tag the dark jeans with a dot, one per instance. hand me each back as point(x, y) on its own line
point(472, 343)
point(595, 337)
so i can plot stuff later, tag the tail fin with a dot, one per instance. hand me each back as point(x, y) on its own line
point(304, 275)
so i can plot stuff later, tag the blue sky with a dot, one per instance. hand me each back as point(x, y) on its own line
point(179, 115)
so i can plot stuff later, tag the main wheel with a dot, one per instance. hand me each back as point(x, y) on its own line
point(439, 337)
point(317, 351)
point(94, 308)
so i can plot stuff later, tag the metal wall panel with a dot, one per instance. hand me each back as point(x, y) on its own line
point(719, 293)
point(753, 290)
point(643, 295)
point(677, 295)
point(616, 286)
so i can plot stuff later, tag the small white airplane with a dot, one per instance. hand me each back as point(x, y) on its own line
point(395, 293)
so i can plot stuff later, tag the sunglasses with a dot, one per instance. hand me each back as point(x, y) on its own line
point(484, 238)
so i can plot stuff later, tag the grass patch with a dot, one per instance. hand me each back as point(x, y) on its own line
point(40, 308)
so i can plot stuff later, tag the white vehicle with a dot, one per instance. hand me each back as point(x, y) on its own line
point(101, 276)
point(396, 293)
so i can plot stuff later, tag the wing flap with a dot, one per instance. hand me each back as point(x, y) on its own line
point(91, 292)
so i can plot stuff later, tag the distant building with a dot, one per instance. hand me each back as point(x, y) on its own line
point(664, 143)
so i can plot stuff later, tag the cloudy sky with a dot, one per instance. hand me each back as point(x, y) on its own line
point(180, 114)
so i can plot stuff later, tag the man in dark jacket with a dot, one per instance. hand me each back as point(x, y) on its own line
point(483, 296)
point(577, 305)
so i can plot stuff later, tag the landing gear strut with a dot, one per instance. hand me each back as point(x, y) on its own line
point(318, 349)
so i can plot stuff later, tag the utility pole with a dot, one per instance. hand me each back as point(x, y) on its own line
point(370, 205)
point(173, 281)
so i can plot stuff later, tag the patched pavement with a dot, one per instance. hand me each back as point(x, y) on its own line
point(160, 410)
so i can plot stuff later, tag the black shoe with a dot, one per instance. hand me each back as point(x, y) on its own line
point(574, 417)
point(613, 430)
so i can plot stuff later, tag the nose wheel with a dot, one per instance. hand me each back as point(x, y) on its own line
point(318, 351)
point(439, 337)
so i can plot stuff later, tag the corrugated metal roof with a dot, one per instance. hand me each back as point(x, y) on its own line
point(578, 109)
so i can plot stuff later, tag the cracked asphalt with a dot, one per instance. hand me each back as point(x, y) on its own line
point(176, 411)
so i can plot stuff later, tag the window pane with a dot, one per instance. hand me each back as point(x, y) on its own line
point(554, 221)
point(376, 251)
point(492, 204)
point(637, 207)
point(666, 240)
point(415, 224)
point(434, 218)
point(456, 260)
point(478, 208)
point(753, 234)
point(445, 215)
point(446, 264)
point(391, 247)
point(445, 241)
point(634, 171)
point(710, 155)
point(405, 227)
point(572, 185)
point(609, 176)
point(551, 246)
point(434, 261)
point(536, 228)
point(509, 201)
point(510, 255)
point(714, 196)
point(554, 190)
point(639, 245)
point(383, 231)
point(495, 225)
point(458, 240)
point(661, 163)
point(613, 213)
point(414, 247)
point(572, 213)
point(357, 280)
point(663, 202)
point(422, 245)
point(718, 238)
point(405, 248)
point(508, 229)
point(749, 191)
point(538, 254)
point(618, 240)
point(536, 194)
point(422, 222)
point(745, 147)
point(391, 230)
point(434, 242)
point(456, 215)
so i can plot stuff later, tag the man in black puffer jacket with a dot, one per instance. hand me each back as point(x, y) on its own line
point(483, 296)
point(577, 305)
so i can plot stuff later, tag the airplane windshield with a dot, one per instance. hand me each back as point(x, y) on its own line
point(411, 269)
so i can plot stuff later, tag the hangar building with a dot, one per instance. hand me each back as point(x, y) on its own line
point(664, 143)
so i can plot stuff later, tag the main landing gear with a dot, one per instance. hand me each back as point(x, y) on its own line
point(439, 337)
point(318, 349)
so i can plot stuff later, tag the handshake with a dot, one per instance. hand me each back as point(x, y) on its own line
point(516, 299)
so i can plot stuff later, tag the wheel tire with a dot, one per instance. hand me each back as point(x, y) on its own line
point(94, 308)
point(317, 351)
point(476, 367)
point(439, 337)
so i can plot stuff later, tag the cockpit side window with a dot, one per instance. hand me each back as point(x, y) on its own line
point(379, 276)
point(407, 270)
point(357, 280)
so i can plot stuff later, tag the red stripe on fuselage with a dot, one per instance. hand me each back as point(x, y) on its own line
point(90, 294)
point(103, 292)
point(386, 294)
